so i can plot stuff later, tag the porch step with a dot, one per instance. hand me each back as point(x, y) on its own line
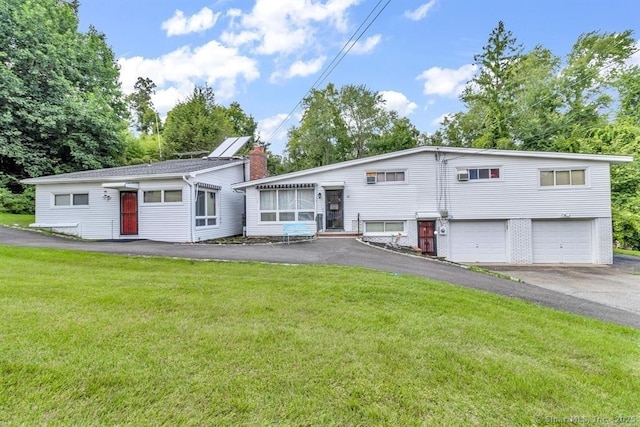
point(337, 234)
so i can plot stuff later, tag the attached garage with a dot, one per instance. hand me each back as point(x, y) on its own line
point(478, 241)
point(564, 241)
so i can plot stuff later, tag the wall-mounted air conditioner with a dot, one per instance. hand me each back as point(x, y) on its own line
point(463, 175)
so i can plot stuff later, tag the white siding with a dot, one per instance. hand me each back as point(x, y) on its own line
point(382, 201)
point(516, 199)
point(99, 220)
point(518, 194)
point(230, 204)
point(162, 221)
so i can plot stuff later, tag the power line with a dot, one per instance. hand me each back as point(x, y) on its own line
point(346, 48)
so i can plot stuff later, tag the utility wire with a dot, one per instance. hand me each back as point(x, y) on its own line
point(346, 48)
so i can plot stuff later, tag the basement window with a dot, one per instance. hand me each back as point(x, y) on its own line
point(384, 227)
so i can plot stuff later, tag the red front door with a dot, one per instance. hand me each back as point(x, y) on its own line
point(426, 237)
point(128, 213)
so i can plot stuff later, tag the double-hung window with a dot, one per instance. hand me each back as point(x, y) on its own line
point(284, 205)
point(206, 208)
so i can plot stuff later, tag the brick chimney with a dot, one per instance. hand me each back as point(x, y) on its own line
point(258, 163)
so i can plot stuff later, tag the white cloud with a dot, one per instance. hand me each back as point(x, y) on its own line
point(397, 101)
point(178, 24)
point(176, 73)
point(367, 46)
point(286, 26)
point(299, 69)
point(420, 12)
point(446, 81)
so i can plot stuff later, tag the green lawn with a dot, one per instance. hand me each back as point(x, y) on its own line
point(13, 219)
point(627, 252)
point(93, 339)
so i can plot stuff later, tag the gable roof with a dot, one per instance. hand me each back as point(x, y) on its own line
point(459, 152)
point(166, 169)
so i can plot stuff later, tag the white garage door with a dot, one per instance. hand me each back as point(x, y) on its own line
point(566, 241)
point(477, 241)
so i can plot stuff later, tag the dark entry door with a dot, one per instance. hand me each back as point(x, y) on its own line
point(426, 237)
point(128, 213)
point(335, 209)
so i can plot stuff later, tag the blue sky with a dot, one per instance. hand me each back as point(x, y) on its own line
point(266, 54)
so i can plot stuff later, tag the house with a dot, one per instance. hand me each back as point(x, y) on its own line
point(184, 200)
point(465, 205)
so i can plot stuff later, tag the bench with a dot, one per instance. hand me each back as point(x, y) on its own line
point(293, 229)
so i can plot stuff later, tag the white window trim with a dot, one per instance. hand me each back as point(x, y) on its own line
point(161, 202)
point(70, 205)
point(402, 233)
point(468, 168)
point(207, 217)
point(554, 187)
point(296, 210)
point(406, 176)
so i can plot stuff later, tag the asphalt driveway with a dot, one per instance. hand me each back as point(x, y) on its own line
point(346, 252)
point(617, 285)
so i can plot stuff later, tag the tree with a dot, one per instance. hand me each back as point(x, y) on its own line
point(365, 119)
point(147, 119)
point(321, 130)
point(61, 107)
point(494, 87)
point(200, 124)
point(401, 135)
point(586, 83)
point(346, 124)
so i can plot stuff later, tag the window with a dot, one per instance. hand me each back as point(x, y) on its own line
point(172, 196)
point(162, 196)
point(482, 173)
point(386, 227)
point(390, 176)
point(71, 199)
point(152, 197)
point(568, 177)
point(206, 208)
point(287, 205)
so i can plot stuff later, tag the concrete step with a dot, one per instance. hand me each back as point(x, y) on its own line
point(337, 234)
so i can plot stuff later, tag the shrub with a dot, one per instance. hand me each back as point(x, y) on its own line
point(17, 203)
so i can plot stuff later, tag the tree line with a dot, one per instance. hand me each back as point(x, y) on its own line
point(62, 109)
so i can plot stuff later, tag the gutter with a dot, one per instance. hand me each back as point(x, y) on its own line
point(191, 203)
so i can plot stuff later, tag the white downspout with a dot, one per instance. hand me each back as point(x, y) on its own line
point(191, 203)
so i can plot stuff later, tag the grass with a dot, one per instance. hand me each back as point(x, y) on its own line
point(626, 252)
point(14, 219)
point(94, 339)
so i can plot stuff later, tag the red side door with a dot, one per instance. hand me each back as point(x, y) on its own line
point(128, 213)
point(426, 237)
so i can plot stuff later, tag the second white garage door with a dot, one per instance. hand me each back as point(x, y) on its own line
point(567, 241)
point(477, 241)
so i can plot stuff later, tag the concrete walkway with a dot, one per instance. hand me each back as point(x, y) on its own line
point(346, 252)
